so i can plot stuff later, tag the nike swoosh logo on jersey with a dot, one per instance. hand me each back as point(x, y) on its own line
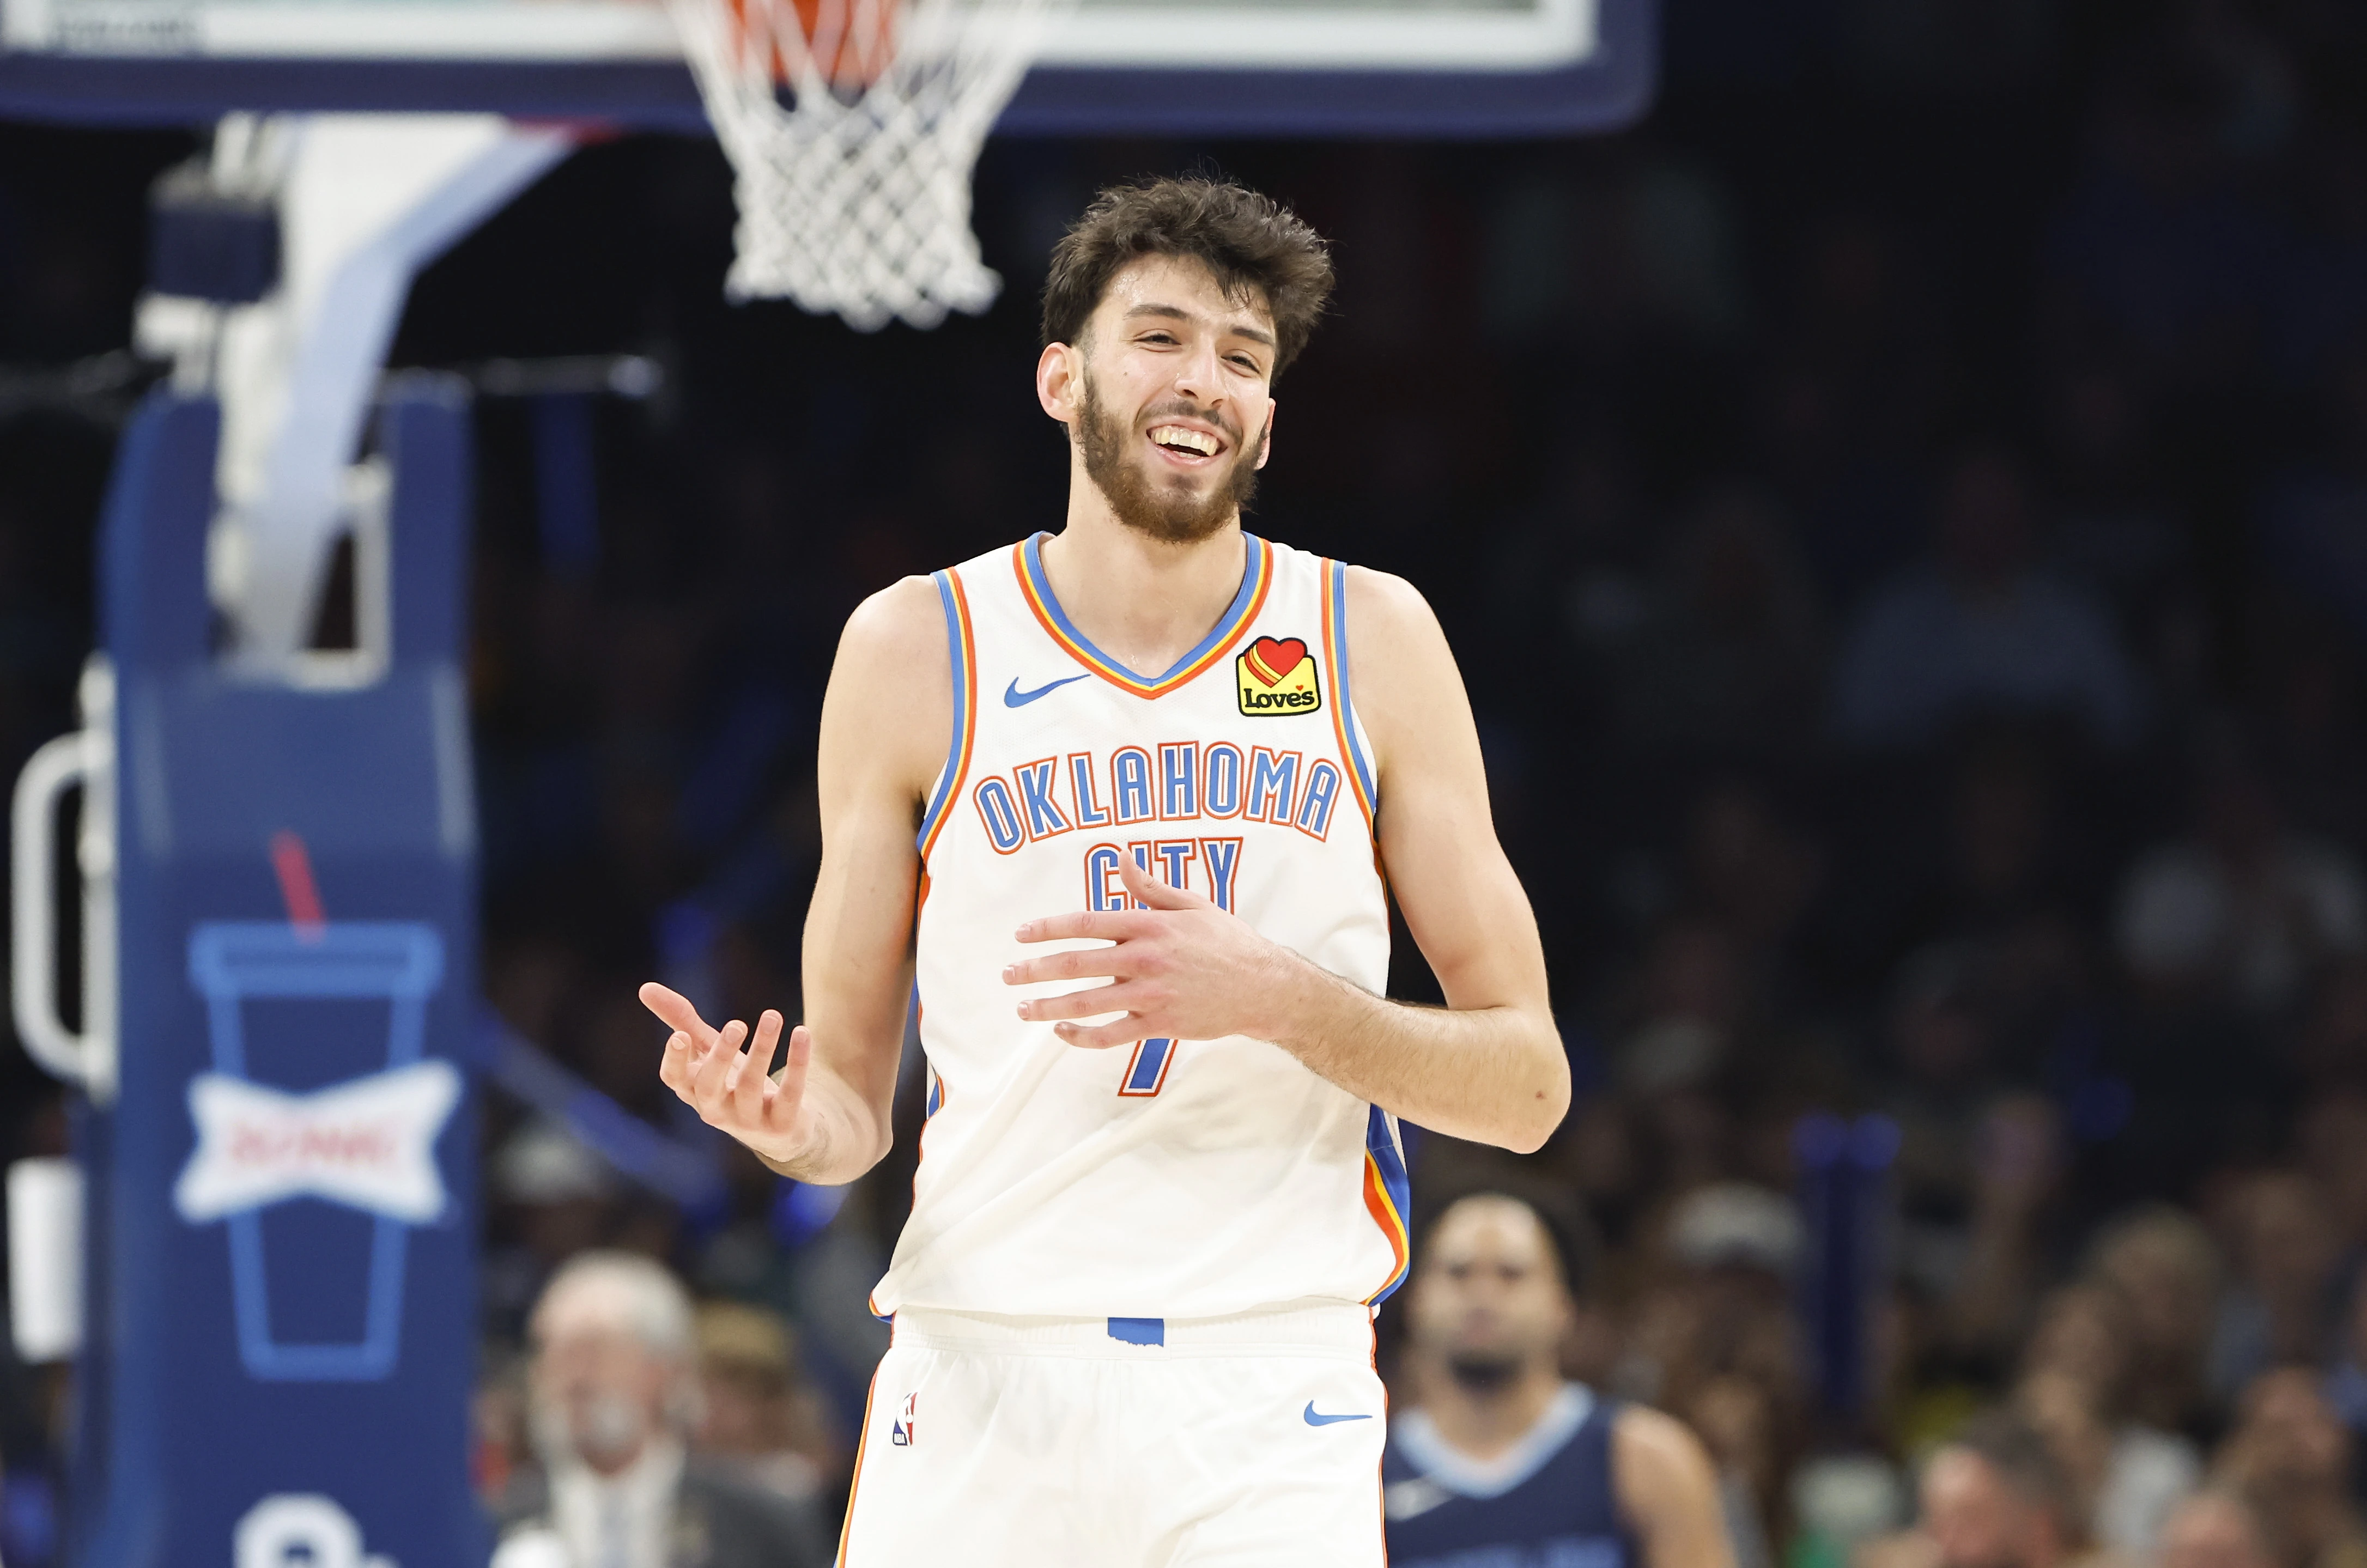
point(1014, 697)
point(1314, 1419)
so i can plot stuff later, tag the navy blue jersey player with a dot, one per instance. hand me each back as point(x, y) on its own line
point(1503, 1463)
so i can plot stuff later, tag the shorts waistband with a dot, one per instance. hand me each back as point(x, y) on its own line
point(1327, 1328)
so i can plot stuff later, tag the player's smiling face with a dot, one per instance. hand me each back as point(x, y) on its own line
point(1171, 402)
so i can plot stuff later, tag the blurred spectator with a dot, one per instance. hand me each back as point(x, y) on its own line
point(613, 1393)
point(553, 1196)
point(2330, 1144)
point(2346, 1386)
point(2281, 1304)
point(2077, 1370)
point(1741, 1233)
point(2290, 1457)
point(2005, 833)
point(2309, 699)
point(1692, 1004)
point(1981, 627)
point(1976, 1163)
point(2166, 1271)
point(1727, 661)
point(1843, 1502)
point(1751, 871)
point(2161, 250)
point(2018, 1161)
point(2056, 1406)
point(757, 1417)
point(2314, 517)
point(2215, 1529)
point(2239, 913)
point(1500, 1458)
point(2116, 530)
point(2331, 1053)
point(1993, 1497)
point(1714, 1342)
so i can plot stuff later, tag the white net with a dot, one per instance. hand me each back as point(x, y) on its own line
point(852, 126)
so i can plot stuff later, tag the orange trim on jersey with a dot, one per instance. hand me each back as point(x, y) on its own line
point(1384, 1211)
point(1257, 578)
point(855, 1484)
point(965, 737)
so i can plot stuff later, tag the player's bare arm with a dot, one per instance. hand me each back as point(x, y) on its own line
point(824, 1117)
point(1489, 1065)
point(1668, 1492)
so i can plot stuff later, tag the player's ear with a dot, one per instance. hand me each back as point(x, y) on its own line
point(1058, 373)
point(1265, 436)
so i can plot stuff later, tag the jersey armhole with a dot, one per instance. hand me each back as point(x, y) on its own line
point(961, 646)
point(1352, 739)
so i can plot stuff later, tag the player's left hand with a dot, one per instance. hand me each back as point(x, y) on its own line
point(1181, 969)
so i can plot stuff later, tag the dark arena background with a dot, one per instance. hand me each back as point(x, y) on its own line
point(1900, 510)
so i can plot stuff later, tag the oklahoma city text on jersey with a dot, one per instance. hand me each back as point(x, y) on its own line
point(1172, 782)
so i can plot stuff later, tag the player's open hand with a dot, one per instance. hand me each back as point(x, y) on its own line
point(1181, 969)
point(727, 1084)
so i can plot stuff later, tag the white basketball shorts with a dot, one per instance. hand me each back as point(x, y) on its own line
point(1251, 1441)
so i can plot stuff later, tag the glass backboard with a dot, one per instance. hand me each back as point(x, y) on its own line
point(1364, 67)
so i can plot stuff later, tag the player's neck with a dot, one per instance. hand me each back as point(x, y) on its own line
point(1485, 1425)
point(1144, 601)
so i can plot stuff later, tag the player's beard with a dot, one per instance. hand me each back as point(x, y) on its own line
point(1481, 1373)
point(1174, 516)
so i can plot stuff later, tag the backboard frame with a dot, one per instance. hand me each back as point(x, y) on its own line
point(1380, 86)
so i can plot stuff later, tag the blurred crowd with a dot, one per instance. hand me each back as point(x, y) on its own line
point(1902, 515)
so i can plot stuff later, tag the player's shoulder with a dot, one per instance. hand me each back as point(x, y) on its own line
point(902, 623)
point(1655, 1455)
point(889, 706)
point(1384, 605)
point(905, 632)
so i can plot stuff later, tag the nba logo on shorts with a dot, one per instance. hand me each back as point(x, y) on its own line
point(902, 1436)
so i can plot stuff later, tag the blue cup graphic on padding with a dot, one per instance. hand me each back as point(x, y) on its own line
point(286, 1002)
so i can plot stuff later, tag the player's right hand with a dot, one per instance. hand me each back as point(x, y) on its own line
point(727, 1084)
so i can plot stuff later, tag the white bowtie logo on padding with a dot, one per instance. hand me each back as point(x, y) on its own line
point(368, 1142)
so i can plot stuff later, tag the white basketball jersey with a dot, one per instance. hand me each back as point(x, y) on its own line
point(1173, 1179)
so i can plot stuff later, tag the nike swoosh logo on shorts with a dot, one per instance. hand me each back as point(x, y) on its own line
point(1015, 699)
point(1316, 1419)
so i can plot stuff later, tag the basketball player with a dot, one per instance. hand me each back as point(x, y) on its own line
point(1505, 1461)
point(1122, 798)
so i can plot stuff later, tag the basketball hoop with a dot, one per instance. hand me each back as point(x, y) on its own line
point(852, 126)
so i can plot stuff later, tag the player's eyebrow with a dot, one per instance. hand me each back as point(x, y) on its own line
point(1177, 313)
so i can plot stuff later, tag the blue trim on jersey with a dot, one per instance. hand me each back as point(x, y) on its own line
point(957, 645)
point(1381, 1145)
point(1227, 624)
point(1418, 1442)
point(1339, 680)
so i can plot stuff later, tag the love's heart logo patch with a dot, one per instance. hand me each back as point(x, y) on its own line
point(1270, 660)
point(1277, 676)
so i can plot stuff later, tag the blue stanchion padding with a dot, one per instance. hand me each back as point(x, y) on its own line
point(282, 1334)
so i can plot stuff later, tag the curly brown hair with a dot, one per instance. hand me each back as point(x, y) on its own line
point(1256, 246)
